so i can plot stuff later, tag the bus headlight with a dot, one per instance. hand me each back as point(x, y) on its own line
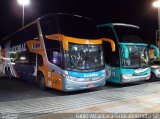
point(65, 74)
point(127, 75)
point(158, 70)
point(72, 78)
point(104, 75)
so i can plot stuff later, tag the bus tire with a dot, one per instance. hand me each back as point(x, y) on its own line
point(153, 77)
point(41, 82)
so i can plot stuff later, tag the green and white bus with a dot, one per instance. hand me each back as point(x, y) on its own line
point(130, 61)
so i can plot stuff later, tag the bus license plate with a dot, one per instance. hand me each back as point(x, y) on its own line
point(90, 85)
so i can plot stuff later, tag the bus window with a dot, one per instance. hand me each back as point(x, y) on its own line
point(48, 26)
point(31, 33)
point(107, 32)
point(40, 60)
point(129, 34)
point(13, 57)
point(111, 58)
point(26, 58)
point(32, 58)
point(53, 51)
point(75, 26)
point(22, 58)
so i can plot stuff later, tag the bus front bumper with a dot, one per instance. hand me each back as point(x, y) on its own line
point(156, 72)
point(128, 79)
point(69, 85)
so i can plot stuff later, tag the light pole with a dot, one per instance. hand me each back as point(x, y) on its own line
point(23, 3)
point(156, 4)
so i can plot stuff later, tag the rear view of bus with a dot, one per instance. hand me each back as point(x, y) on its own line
point(130, 61)
point(68, 53)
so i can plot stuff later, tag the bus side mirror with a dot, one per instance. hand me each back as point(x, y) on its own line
point(125, 51)
point(156, 49)
point(113, 45)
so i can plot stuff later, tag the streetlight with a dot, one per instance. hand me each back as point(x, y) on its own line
point(156, 4)
point(23, 3)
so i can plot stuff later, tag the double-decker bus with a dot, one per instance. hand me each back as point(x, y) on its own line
point(130, 61)
point(60, 51)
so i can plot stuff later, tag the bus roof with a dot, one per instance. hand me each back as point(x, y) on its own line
point(3, 39)
point(54, 14)
point(43, 17)
point(118, 24)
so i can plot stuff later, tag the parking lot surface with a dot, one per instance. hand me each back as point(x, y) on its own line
point(26, 100)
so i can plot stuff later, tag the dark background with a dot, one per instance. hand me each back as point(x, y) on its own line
point(137, 12)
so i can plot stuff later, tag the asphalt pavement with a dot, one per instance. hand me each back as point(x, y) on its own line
point(28, 101)
point(17, 89)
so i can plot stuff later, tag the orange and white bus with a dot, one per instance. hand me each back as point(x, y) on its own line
point(60, 51)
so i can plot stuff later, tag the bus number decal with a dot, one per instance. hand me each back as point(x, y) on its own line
point(35, 46)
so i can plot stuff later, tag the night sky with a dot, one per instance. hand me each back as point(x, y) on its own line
point(137, 12)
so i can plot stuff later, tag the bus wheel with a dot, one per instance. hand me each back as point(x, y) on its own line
point(41, 82)
point(153, 77)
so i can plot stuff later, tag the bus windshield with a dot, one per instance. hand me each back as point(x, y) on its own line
point(138, 57)
point(76, 26)
point(128, 34)
point(84, 57)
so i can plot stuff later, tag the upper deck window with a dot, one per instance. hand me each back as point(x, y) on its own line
point(76, 26)
point(127, 34)
point(69, 25)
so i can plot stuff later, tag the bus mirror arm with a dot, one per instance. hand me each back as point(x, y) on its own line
point(156, 49)
point(113, 45)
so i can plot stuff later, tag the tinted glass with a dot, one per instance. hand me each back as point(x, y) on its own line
point(107, 32)
point(111, 58)
point(29, 33)
point(78, 27)
point(51, 47)
point(156, 62)
point(129, 34)
point(22, 58)
point(40, 60)
point(48, 26)
point(32, 58)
